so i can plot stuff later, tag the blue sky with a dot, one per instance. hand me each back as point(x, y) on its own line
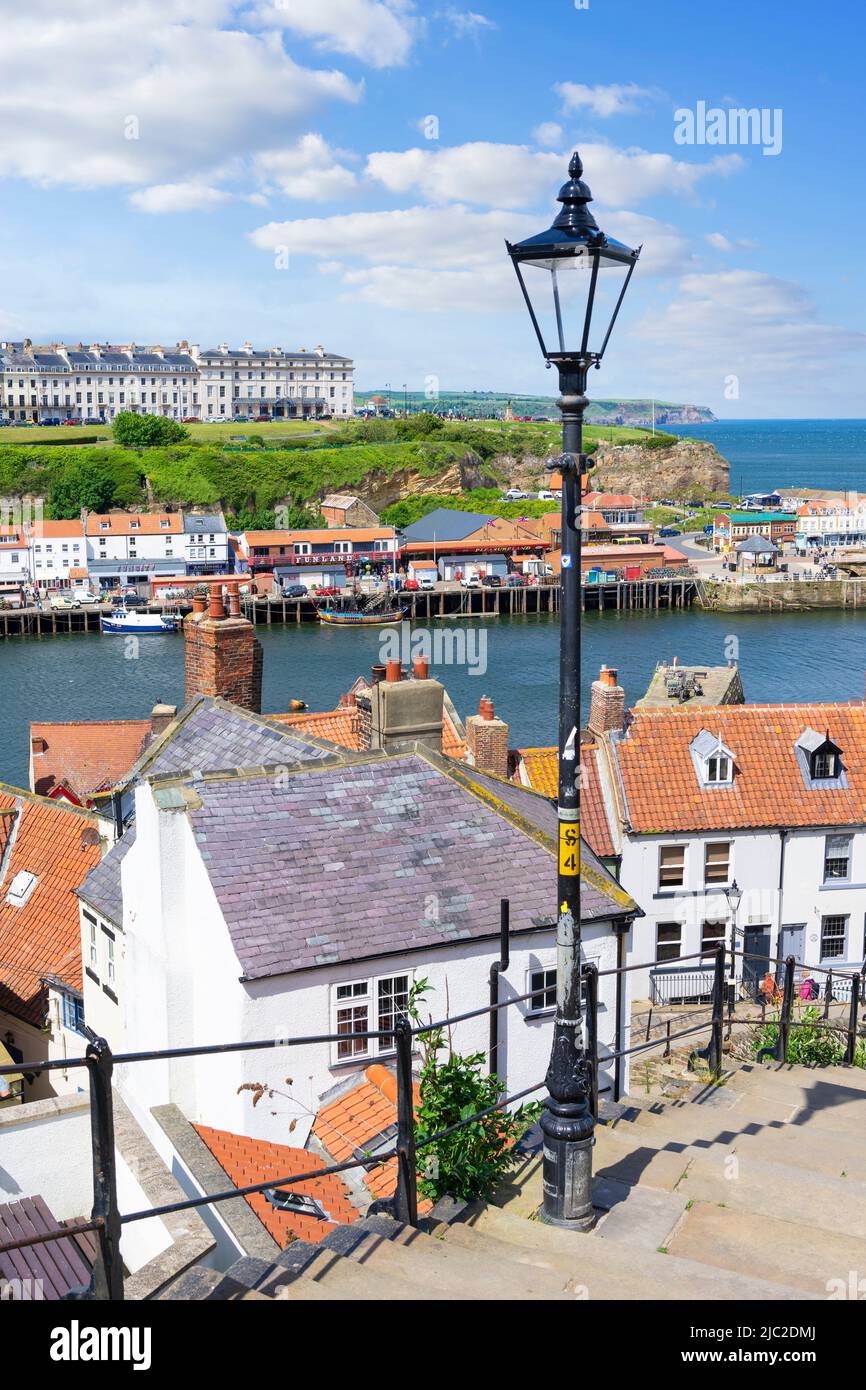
point(265, 171)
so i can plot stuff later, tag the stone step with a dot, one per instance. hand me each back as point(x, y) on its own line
point(607, 1269)
point(752, 1182)
point(203, 1285)
point(801, 1144)
point(794, 1252)
point(850, 1078)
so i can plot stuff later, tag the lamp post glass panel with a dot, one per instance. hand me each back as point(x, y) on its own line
point(573, 279)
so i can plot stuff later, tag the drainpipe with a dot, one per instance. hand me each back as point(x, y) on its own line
point(117, 813)
point(783, 840)
point(621, 934)
point(498, 968)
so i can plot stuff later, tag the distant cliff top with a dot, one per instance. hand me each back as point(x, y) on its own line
point(601, 411)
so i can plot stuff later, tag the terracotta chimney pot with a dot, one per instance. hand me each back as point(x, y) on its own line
point(485, 707)
point(421, 668)
point(394, 671)
point(217, 607)
point(377, 674)
point(234, 601)
point(199, 603)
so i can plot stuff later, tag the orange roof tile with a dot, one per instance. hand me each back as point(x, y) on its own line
point(343, 726)
point(247, 1161)
point(663, 792)
point(47, 529)
point(350, 1123)
point(86, 756)
point(540, 768)
point(12, 535)
point(149, 524)
point(59, 845)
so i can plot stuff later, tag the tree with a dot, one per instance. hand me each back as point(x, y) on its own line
point(146, 431)
point(85, 484)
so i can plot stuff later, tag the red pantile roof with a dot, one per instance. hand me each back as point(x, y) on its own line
point(85, 756)
point(351, 1122)
point(538, 768)
point(58, 845)
point(247, 1161)
point(343, 726)
point(48, 529)
point(663, 792)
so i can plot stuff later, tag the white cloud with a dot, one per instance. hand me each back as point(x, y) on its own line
point(309, 170)
point(149, 92)
point(616, 99)
point(378, 32)
point(179, 197)
point(442, 258)
point(744, 324)
point(514, 176)
point(468, 24)
point(720, 242)
point(548, 134)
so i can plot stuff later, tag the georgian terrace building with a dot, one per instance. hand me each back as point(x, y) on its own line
point(97, 382)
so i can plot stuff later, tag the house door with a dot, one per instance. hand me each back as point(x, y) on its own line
point(792, 941)
point(756, 945)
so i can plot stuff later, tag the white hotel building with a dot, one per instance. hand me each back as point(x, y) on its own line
point(95, 383)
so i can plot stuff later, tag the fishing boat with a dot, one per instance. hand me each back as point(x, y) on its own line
point(139, 624)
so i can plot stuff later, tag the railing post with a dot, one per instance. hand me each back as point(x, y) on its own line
point(712, 1053)
point(828, 993)
point(107, 1278)
point(787, 1008)
point(667, 1051)
point(406, 1196)
point(497, 969)
point(852, 1021)
point(590, 975)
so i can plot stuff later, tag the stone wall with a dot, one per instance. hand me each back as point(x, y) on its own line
point(776, 596)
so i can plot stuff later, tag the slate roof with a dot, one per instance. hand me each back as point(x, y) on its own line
point(663, 793)
point(210, 733)
point(340, 863)
point(443, 525)
point(195, 523)
point(101, 888)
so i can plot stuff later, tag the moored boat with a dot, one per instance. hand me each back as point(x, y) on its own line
point(124, 620)
point(346, 618)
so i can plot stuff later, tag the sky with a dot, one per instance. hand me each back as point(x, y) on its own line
point(345, 173)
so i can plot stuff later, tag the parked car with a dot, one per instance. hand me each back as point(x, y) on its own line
point(71, 421)
point(426, 581)
point(190, 420)
point(53, 420)
point(470, 581)
point(262, 419)
point(60, 601)
point(411, 585)
point(492, 581)
point(671, 531)
point(515, 494)
point(85, 596)
point(294, 591)
point(545, 495)
point(93, 420)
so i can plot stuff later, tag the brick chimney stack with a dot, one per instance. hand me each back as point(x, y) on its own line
point(487, 739)
point(161, 716)
point(223, 656)
point(607, 703)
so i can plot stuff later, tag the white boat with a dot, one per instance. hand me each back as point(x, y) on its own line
point(126, 620)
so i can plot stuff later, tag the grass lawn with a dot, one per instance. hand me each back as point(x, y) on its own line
point(37, 434)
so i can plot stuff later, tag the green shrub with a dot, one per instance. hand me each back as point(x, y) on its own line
point(146, 431)
point(470, 1163)
point(809, 1044)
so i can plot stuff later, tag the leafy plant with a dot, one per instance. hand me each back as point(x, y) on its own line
point(146, 431)
point(809, 1044)
point(471, 1162)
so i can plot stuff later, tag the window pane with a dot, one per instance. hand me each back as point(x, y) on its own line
point(833, 933)
point(671, 865)
point(837, 856)
point(712, 936)
point(543, 986)
point(393, 1002)
point(352, 1020)
point(717, 862)
point(669, 941)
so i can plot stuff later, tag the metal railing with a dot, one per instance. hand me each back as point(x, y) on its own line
point(107, 1221)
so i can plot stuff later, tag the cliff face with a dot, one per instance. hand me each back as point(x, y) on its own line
point(379, 490)
point(690, 465)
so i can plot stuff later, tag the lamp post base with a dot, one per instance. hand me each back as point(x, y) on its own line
point(567, 1171)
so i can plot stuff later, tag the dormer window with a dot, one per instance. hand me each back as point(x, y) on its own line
point(819, 757)
point(713, 760)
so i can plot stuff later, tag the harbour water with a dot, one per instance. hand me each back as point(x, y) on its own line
point(798, 657)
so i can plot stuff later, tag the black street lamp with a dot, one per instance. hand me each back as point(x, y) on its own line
point(573, 280)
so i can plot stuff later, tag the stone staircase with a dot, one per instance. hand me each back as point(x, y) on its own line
point(754, 1188)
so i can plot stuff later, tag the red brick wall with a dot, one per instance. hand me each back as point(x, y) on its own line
point(223, 658)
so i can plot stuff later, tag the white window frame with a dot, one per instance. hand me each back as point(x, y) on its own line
point(671, 887)
point(364, 996)
point(718, 770)
point(711, 845)
point(663, 960)
point(535, 1010)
